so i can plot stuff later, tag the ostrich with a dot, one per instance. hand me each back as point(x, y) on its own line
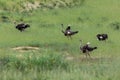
point(86, 48)
point(22, 26)
point(68, 31)
point(102, 37)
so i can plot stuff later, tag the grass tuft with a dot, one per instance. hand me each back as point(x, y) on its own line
point(44, 62)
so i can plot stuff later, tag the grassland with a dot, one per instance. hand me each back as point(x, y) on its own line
point(57, 57)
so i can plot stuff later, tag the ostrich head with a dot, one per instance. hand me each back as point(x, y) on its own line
point(69, 25)
point(62, 25)
point(88, 43)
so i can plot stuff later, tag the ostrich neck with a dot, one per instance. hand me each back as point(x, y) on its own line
point(62, 28)
point(80, 43)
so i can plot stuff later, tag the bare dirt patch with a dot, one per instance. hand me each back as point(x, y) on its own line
point(25, 48)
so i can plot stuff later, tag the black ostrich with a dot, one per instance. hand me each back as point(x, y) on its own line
point(102, 37)
point(86, 48)
point(22, 26)
point(68, 31)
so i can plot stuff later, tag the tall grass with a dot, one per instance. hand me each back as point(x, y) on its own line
point(47, 61)
point(59, 58)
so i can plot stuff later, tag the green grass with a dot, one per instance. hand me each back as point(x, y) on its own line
point(59, 58)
